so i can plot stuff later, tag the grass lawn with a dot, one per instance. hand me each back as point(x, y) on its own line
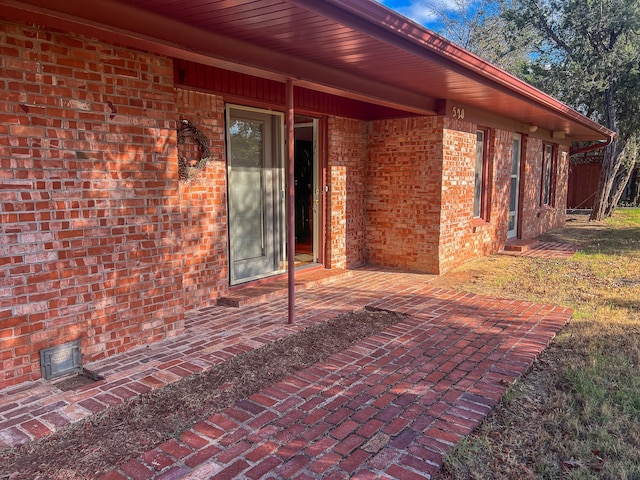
point(576, 415)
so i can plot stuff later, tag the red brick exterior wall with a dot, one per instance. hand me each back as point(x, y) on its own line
point(419, 182)
point(420, 194)
point(562, 188)
point(347, 162)
point(464, 237)
point(536, 219)
point(404, 193)
point(100, 241)
point(502, 143)
point(90, 226)
point(203, 205)
point(458, 157)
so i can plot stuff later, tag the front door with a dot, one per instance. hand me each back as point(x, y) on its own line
point(256, 193)
point(512, 229)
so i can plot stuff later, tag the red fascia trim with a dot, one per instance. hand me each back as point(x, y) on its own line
point(376, 14)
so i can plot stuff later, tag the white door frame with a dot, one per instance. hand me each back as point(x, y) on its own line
point(316, 186)
point(269, 182)
point(514, 184)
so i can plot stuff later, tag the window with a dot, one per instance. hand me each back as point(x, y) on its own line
point(548, 181)
point(481, 187)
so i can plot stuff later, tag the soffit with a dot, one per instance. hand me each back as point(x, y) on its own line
point(356, 48)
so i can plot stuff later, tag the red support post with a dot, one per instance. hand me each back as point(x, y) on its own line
point(291, 226)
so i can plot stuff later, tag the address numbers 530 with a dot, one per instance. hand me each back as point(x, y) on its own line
point(457, 113)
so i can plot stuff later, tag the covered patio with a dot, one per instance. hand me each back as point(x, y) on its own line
point(391, 406)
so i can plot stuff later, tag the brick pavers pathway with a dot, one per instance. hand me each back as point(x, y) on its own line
point(389, 407)
point(215, 334)
point(552, 250)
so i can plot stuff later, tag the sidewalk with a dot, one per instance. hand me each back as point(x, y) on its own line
point(389, 407)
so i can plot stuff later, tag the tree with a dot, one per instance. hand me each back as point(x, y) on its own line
point(477, 26)
point(589, 56)
point(584, 52)
point(628, 161)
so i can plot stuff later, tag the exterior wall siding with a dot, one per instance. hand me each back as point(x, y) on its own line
point(404, 193)
point(537, 219)
point(90, 228)
point(464, 238)
point(203, 204)
point(100, 241)
point(271, 93)
point(458, 156)
point(346, 165)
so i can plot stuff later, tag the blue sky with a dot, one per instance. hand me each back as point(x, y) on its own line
point(419, 10)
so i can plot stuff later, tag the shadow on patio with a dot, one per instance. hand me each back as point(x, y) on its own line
point(393, 404)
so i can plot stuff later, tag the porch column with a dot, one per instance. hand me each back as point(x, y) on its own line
point(291, 225)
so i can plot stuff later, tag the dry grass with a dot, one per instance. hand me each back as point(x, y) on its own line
point(576, 415)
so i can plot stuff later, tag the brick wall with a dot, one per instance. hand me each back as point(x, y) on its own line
point(502, 158)
point(347, 160)
point(99, 240)
point(404, 193)
point(203, 204)
point(463, 237)
point(419, 181)
point(536, 220)
point(562, 187)
point(90, 224)
point(458, 157)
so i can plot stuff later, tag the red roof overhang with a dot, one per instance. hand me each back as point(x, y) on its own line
point(353, 48)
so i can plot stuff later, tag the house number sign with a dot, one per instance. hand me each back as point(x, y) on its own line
point(457, 113)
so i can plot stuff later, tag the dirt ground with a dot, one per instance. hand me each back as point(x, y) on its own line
point(90, 447)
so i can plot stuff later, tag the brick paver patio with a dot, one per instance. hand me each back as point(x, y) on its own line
point(389, 407)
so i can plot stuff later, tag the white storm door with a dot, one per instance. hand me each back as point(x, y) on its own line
point(256, 200)
point(514, 188)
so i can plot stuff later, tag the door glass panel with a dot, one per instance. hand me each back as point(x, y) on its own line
point(247, 161)
point(513, 194)
point(255, 185)
point(515, 157)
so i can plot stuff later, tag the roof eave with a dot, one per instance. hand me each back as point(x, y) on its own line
point(115, 21)
point(120, 23)
point(381, 22)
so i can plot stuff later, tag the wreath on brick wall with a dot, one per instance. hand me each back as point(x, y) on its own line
point(190, 168)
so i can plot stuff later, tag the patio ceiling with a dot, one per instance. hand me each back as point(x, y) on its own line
point(354, 48)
